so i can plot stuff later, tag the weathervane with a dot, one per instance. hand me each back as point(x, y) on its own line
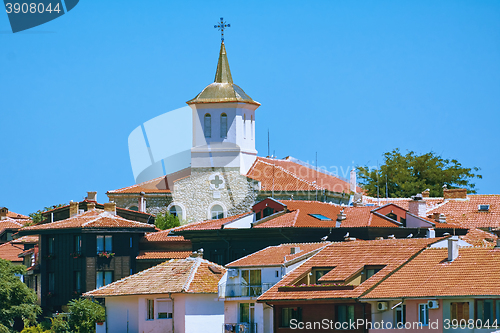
point(222, 26)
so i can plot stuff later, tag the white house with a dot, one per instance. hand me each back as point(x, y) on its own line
point(176, 296)
point(247, 278)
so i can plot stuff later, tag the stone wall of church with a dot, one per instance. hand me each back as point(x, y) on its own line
point(154, 205)
point(207, 187)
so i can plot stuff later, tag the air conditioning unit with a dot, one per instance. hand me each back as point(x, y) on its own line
point(433, 304)
point(232, 273)
point(382, 306)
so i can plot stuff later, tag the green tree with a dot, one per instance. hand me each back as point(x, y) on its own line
point(407, 175)
point(37, 216)
point(166, 221)
point(83, 314)
point(17, 301)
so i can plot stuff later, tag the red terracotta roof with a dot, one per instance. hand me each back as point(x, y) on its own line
point(209, 224)
point(277, 255)
point(12, 224)
point(346, 260)
point(477, 237)
point(465, 211)
point(473, 273)
point(404, 203)
point(13, 215)
point(90, 219)
point(163, 236)
point(157, 185)
point(10, 251)
point(286, 175)
point(148, 255)
point(25, 239)
point(191, 275)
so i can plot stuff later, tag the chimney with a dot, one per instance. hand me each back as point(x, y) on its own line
point(391, 237)
point(294, 250)
point(197, 254)
point(91, 196)
point(431, 233)
point(73, 208)
point(340, 217)
point(90, 206)
point(352, 181)
point(417, 205)
point(142, 202)
point(452, 248)
point(426, 193)
point(3, 213)
point(110, 207)
point(456, 193)
point(441, 218)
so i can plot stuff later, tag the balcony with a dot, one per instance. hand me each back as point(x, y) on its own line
point(243, 290)
point(239, 327)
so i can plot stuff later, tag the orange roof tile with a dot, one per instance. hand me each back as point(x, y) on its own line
point(190, 275)
point(12, 224)
point(163, 236)
point(10, 251)
point(277, 255)
point(474, 273)
point(477, 237)
point(148, 255)
point(465, 211)
point(286, 175)
point(25, 239)
point(209, 224)
point(93, 219)
point(13, 215)
point(404, 203)
point(346, 259)
point(157, 185)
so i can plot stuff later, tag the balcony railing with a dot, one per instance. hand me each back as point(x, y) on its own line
point(243, 290)
point(239, 328)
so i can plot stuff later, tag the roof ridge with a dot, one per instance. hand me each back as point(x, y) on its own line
point(136, 185)
point(297, 211)
point(194, 269)
point(294, 175)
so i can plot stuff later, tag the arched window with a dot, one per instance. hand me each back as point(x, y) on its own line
point(208, 126)
point(244, 126)
point(251, 127)
point(217, 212)
point(176, 211)
point(223, 125)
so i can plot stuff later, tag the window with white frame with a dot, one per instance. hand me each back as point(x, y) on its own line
point(217, 212)
point(400, 316)
point(164, 307)
point(423, 314)
point(208, 125)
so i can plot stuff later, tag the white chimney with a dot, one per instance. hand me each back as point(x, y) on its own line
point(91, 196)
point(452, 248)
point(417, 206)
point(353, 180)
point(142, 203)
point(110, 207)
point(294, 250)
point(431, 233)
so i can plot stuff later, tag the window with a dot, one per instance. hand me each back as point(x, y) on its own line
point(258, 216)
point(483, 208)
point(176, 211)
point(103, 278)
point(267, 211)
point(51, 245)
point(400, 316)
point(251, 283)
point(150, 315)
point(36, 283)
point(484, 310)
point(104, 244)
point(164, 309)
point(423, 314)
point(78, 244)
point(277, 274)
point(223, 125)
point(393, 216)
point(134, 208)
point(370, 271)
point(321, 217)
point(9, 236)
point(459, 311)
point(287, 314)
point(403, 221)
point(247, 312)
point(244, 126)
point(208, 125)
point(52, 282)
point(131, 243)
point(77, 281)
point(217, 212)
point(251, 127)
point(318, 272)
point(345, 314)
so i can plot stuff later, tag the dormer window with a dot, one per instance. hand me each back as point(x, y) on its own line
point(483, 208)
point(320, 217)
point(208, 125)
point(370, 271)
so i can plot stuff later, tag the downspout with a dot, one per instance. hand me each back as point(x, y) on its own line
point(173, 312)
point(284, 235)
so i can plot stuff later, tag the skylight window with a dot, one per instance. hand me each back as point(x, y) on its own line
point(483, 208)
point(320, 217)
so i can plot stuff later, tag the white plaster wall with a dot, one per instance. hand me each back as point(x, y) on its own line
point(242, 223)
point(413, 222)
point(268, 319)
point(179, 308)
point(120, 311)
point(231, 311)
point(204, 313)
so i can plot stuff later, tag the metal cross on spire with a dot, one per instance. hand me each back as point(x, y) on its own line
point(222, 26)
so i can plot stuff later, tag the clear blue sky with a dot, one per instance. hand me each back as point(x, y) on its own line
point(348, 79)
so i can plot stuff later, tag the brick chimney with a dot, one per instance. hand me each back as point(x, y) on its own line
point(426, 193)
point(452, 248)
point(456, 193)
point(3, 213)
point(73, 208)
point(110, 207)
point(91, 196)
point(90, 206)
point(417, 205)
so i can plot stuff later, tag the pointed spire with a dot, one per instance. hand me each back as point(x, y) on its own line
point(223, 74)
